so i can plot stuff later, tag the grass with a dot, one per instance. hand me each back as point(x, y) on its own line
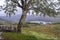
point(14, 36)
point(35, 32)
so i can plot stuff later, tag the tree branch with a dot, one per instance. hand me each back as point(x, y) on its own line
point(19, 5)
point(15, 1)
point(22, 2)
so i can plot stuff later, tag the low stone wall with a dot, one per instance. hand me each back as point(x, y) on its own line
point(5, 28)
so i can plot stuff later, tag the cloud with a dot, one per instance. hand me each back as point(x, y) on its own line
point(2, 2)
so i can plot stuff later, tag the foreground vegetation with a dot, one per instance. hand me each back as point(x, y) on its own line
point(35, 32)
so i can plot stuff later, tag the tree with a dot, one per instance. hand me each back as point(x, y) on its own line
point(44, 7)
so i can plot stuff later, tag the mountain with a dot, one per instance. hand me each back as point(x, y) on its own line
point(43, 18)
point(16, 18)
point(2, 21)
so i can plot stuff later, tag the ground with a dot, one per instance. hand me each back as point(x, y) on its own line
point(35, 32)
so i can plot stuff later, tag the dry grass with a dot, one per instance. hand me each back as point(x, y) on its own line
point(47, 29)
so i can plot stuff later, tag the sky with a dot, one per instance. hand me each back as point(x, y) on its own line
point(2, 2)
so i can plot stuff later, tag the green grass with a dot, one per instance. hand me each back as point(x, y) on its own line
point(27, 36)
point(14, 36)
point(35, 32)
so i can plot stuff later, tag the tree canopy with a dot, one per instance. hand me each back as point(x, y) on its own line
point(45, 7)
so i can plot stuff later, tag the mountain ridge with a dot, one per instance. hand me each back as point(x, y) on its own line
point(16, 18)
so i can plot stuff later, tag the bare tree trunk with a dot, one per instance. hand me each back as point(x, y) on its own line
point(21, 21)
